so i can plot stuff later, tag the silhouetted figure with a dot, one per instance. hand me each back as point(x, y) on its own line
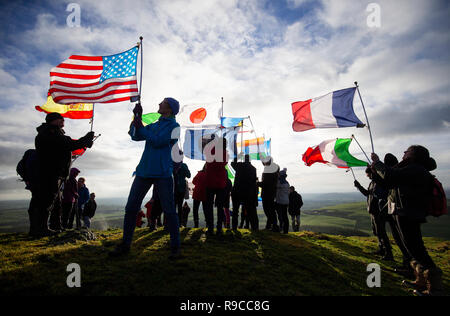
point(390, 161)
point(268, 186)
point(411, 185)
point(54, 153)
point(295, 204)
point(83, 197)
point(69, 197)
point(89, 210)
point(154, 168)
point(375, 193)
point(199, 194)
point(243, 192)
point(216, 181)
point(180, 173)
point(282, 200)
point(185, 211)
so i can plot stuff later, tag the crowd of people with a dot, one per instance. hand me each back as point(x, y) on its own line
point(398, 192)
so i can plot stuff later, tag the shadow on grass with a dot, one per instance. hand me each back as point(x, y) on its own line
point(236, 263)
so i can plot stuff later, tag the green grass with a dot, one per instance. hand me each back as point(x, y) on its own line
point(239, 263)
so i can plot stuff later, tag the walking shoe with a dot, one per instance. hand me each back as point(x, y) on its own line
point(120, 250)
point(209, 232)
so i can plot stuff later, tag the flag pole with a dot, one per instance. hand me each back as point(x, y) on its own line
point(367, 119)
point(142, 65)
point(353, 136)
point(352, 173)
point(254, 132)
point(92, 118)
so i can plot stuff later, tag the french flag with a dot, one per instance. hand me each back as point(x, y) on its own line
point(332, 110)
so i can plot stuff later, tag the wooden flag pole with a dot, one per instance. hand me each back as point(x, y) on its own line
point(367, 119)
point(353, 136)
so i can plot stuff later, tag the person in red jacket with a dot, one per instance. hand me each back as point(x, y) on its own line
point(139, 217)
point(216, 181)
point(199, 194)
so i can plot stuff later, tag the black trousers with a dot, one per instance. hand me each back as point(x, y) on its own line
point(179, 198)
point(379, 230)
point(395, 230)
point(45, 202)
point(218, 194)
point(66, 212)
point(411, 235)
point(248, 203)
point(269, 209)
point(195, 208)
point(75, 214)
point(283, 216)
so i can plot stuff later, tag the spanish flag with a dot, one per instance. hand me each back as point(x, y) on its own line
point(72, 111)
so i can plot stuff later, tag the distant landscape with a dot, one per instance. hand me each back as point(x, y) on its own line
point(333, 213)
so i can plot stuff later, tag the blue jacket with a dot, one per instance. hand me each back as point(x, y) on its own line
point(156, 160)
point(83, 195)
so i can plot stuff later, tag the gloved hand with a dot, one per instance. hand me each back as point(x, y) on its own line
point(357, 184)
point(89, 139)
point(137, 110)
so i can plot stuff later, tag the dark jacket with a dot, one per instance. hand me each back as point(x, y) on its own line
point(216, 174)
point(54, 150)
point(83, 196)
point(295, 203)
point(373, 194)
point(180, 173)
point(410, 188)
point(269, 183)
point(244, 180)
point(199, 181)
point(70, 193)
point(90, 208)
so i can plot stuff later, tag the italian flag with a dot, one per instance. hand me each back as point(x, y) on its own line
point(333, 152)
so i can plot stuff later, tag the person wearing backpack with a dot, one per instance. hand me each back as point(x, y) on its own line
point(409, 199)
point(54, 154)
point(89, 210)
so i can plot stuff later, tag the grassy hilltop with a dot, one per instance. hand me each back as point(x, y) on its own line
point(238, 263)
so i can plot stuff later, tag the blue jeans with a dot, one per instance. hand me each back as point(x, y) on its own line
point(139, 188)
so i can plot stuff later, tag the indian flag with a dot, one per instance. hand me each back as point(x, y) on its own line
point(333, 152)
point(257, 148)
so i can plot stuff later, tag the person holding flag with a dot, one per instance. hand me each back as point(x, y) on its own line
point(154, 168)
point(54, 153)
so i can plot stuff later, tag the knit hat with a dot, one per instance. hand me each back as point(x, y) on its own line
point(53, 116)
point(174, 105)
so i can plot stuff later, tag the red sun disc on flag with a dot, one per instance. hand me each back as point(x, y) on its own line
point(198, 116)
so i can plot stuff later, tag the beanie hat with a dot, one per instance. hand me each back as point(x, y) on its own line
point(174, 105)
point(53, 116)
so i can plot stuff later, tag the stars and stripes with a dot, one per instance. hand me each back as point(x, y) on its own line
point(95, 79)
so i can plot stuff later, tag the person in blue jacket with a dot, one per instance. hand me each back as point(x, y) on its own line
point(154, 168)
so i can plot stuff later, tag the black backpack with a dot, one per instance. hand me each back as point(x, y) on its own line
point(26, 168)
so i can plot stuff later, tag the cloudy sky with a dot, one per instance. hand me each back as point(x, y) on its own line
point(259, 55)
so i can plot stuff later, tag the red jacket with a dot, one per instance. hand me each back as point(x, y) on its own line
point(139, 217)
point(199, 181)
point(216, 174)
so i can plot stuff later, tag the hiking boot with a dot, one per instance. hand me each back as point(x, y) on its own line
point(120, 250)
point(276, 229)
point(420, 283)
point(219, 232)
point(209, 232)
point(433, 277)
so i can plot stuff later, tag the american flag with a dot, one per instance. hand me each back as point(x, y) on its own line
point(95, 79)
